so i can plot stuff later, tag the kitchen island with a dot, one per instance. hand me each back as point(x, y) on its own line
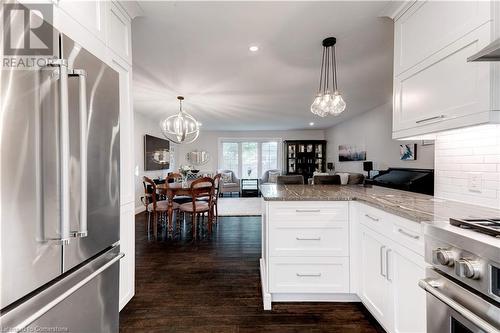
point(349, 244)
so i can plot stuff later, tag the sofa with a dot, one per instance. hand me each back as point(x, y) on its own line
point(229, 182)
point(352, 178)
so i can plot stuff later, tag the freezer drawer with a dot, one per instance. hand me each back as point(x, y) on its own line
point(85, 300)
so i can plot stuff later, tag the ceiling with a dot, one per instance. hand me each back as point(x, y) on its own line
point(201, 50)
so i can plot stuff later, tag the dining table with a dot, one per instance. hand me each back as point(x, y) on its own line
point(170, 190)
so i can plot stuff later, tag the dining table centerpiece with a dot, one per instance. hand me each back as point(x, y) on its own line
point(184, 170)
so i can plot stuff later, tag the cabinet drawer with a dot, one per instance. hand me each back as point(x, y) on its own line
point(411, 237)
point(309, 275)
point(308, 211)
point(374, 218)
point(309, 239)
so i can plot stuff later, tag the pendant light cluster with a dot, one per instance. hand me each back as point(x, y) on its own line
point(328, 99)
point(180, 128)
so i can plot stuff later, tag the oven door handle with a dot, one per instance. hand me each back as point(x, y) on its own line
point(432, 287)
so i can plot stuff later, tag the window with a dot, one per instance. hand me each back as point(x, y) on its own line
point(230, 156)
point(269, 155)
point(249, 158)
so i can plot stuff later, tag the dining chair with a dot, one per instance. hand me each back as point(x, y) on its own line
point(158, 208)
point(146, 201)
point(217, 184)
point(199, 188)
point(326, 180)
point(290, 180)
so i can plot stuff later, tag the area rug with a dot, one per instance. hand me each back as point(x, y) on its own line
point(239, 206)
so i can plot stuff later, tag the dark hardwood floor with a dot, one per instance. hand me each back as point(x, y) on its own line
point(213, 285)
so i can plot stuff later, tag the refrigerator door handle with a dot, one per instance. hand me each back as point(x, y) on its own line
point(82, 104)
point(64, 149)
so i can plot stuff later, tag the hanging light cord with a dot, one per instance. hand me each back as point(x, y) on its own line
point(321, 73)
point(335, 68)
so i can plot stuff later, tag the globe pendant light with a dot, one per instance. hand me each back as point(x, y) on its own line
point(328, 99)
point(180, 128)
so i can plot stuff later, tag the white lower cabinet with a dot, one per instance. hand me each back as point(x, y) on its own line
point(305, 252)
point(345, 251)
point(389, 274)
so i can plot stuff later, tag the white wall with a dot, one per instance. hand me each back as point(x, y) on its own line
point(144, 125)
point(373, 130)
point(209, 141)
point(465, 153)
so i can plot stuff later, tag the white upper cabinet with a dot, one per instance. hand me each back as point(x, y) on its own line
point(88, 13)
point(118, 31)
point(427, 27)
point(435, 88)
point(102, 27)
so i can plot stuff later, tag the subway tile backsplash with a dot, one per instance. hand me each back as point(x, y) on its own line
point(467, 165)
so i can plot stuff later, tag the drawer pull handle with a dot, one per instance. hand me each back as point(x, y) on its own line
point(306, 239)
point(372, 218)
point(401, 231)
point(308, 274)
point(308, 210)
point(430, 118)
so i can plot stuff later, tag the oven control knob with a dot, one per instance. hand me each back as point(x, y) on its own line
point(444, 257)
point(467, 268)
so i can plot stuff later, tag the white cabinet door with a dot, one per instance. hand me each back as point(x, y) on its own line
point(405, 269)
point(374, 287)
point(127, 246)
point(126, 132)
point(118, 31)
point(429, 26)
point(445, 91)
point(90, 14)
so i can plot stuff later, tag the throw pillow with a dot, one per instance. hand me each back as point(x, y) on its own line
point(227, 177)
point(272, 176)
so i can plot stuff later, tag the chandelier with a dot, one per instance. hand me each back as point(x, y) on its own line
point(181, 127)
point(328, 99)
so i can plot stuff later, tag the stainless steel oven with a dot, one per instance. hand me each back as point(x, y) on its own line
point(463, 282)
point(451, 308)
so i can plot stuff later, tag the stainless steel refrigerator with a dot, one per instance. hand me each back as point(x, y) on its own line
point(60, 196)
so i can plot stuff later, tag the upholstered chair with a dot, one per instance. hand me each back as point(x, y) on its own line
point(229, 182)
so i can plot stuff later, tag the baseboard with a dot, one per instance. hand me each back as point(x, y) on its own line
point(140, 209)
point(303, 297)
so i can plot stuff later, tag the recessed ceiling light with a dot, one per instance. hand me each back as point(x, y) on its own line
point(253, 48)
point(311, 124)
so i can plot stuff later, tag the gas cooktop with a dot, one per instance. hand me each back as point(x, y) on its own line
point(485, 226)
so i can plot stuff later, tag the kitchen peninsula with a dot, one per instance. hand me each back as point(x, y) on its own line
point(351, 243)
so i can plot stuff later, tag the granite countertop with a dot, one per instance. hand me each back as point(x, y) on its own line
point(413, 206)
